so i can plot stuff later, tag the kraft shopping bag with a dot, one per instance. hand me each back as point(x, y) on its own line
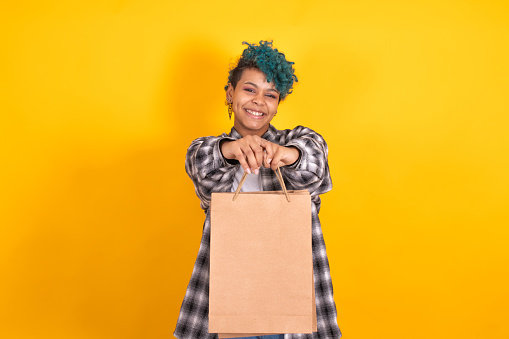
point(239, 335)
point(261, 269)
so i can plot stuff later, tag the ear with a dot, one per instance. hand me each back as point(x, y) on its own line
point(229, 93)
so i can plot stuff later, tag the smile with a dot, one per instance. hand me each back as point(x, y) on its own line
point(255, 113)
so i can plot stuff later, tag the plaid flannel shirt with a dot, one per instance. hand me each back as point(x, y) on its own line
point(210, 172)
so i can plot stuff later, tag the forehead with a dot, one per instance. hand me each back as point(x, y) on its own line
point(257, 77)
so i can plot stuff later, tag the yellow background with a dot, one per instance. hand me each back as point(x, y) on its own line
point(99, 100)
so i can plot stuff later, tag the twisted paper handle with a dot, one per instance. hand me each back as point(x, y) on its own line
point(279, 178)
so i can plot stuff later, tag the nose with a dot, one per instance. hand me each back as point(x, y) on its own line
point(259, 99)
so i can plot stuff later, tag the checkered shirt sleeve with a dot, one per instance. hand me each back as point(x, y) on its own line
point(208, 169)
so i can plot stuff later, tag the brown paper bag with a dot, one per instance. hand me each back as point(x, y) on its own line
point(261, 269)
point(240, 335)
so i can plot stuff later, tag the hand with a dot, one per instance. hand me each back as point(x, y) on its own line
point(278, 156)
point(247, 150)
point(252, 151)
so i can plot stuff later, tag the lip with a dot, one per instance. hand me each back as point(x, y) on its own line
point(252, 113)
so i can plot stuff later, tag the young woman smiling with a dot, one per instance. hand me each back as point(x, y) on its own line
point(260, 80)
point(255, 102)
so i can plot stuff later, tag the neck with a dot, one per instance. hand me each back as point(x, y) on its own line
point(245, 132)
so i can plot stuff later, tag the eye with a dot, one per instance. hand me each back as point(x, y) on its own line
point(271, 96)
point(247, 89)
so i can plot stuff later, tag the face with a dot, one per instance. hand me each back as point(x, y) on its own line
point(255, 102)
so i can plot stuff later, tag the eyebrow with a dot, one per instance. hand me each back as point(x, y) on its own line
point(255, 85)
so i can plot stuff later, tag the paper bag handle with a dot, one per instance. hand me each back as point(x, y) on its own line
point(279, 177)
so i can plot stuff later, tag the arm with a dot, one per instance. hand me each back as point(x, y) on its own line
point(208, 169)
point(252, 152)
point(311, 170)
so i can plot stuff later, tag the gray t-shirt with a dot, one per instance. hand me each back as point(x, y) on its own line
point(253, 182)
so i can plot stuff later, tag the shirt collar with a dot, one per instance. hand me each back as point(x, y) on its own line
point(270, 135)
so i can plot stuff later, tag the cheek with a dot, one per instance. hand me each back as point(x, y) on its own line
point(239, 101)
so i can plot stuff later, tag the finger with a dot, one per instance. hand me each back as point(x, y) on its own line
point(252, 140)
point(269, 149)
point(239, 155)
point(275, 163)
point(251, 158)
point(258, 153)
point(254, 143)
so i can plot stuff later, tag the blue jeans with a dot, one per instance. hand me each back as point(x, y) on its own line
point(272, 336)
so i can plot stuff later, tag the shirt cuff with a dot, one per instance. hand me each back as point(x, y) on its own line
point(222, 161)
point(302, 160)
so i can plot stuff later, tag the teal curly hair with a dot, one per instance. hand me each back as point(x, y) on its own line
point(268, 60)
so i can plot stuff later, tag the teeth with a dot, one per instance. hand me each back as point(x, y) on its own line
point(254, 112)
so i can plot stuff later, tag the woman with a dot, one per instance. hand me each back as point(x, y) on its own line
point(261, 79)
